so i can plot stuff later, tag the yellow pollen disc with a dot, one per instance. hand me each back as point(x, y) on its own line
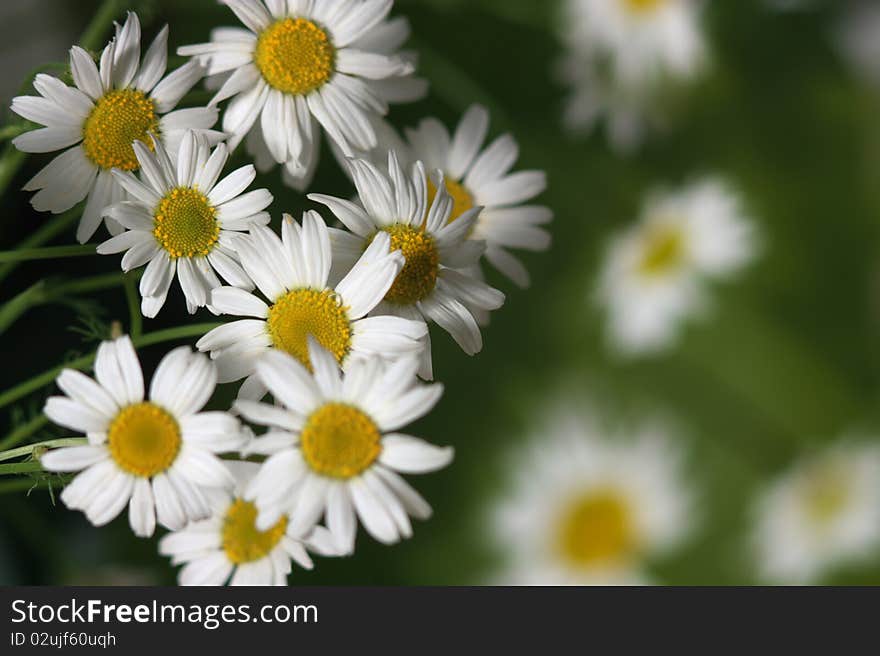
point(462, 200)
point(119, 118)
point(295, 56)
point(664, 251)
point(596, 528)
point(185, 223)
point(144, 439)
point(418, 276)
point(242, 542)
point(304, 312)
point(826, 494)
point(643, 6)
point(340, 441)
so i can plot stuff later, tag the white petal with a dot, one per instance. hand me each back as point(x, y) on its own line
point(411, 455)
point(141, 512)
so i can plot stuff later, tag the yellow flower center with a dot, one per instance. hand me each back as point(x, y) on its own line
point(120, 118)
point(304, 312)
point(643, 6)
point(418, 276)
point(664, 251)
point(242, 542)
point(462, 200)
point(144, 439)
point(340, 441)
point(596, 528)
point(295, 56)
point(826, 494)
point(185, 223)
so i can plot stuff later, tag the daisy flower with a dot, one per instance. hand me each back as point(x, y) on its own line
point(333, 448)
point(181, 219)
point(292, 274)
point(157, 456)
point(300, 66)
point(228, 547)
point(584, 508)
point(620, 53)
point(106, 111)
point(432, 284)
point(477, 176)
point(823, 512)
point(655, 272)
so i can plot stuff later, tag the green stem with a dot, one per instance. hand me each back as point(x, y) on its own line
point(24, 431)
point(10, 162)
point(48, 253)
point(26, 484)
point(134, 307)
point(158, 337)
point(31, 449)
point(95, 32)
point(20, 468)
point(45, 291)
point(13, 130)
point(53, 227)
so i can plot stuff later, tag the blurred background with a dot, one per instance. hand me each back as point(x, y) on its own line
point(786, 363)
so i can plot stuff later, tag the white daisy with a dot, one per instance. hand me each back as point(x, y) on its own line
point(823, 512)
point(303, 65)
point(655, 272)
point(157, 455)
point(292, 274)
point(433, 284)
point(229, 543)
point(101, 117)
point(477, 176)
point(620, 53)
point(590, 508)
point(182, 220)
point(333, 449)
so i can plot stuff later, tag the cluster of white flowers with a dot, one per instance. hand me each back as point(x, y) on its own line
point(332, 322)
point(620, 54)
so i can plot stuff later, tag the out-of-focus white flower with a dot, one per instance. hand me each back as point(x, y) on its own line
point(858, 39)
point(655, 273)
point(108, 109)
point(588, 507)
point(620, 54)
point(824, 511)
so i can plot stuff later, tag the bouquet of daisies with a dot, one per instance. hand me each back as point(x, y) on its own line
point(322, 320)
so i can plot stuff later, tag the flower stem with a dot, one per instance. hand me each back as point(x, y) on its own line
point(48, 253)
point(13, 130)
point(134, 307)
point(53, 227)
point(20, 468)
point(93, 36)
point(24, 431)
point(29, 483)
point(33, 449)
point(45, 291)
point(158, 337)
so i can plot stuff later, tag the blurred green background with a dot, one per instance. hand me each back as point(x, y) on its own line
point(788, 362)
